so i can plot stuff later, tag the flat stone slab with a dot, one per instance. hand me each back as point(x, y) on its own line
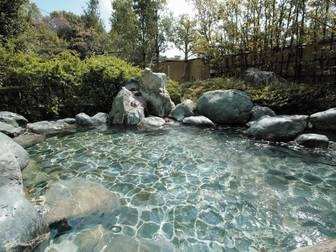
point(50, 128)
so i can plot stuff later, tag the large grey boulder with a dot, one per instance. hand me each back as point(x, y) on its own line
point(13, 119)
point(20, 223)
point(29, 139)
point(50, 128)
point(325, 246)
point(152, 122)
point(313, 140)
point(225, 106)
point(10, 171)
point(258, 111)
point(198, 121)
point(182, 110)
point(153, 89)
point(77, 198)
point(83, 119)
point(7, 146)
point(325, 120)
point(10, 130)
point(126, 109)
point(278, 127)
point(258, 77)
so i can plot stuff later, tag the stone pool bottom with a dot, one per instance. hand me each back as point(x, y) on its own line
point(199, 189)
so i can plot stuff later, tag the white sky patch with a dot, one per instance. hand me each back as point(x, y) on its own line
point(180, 7)
point(105, 12)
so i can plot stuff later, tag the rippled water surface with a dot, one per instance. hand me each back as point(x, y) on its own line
point(200, 189)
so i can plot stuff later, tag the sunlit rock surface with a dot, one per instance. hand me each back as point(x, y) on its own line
point(50, 128)
point(153, 89)
point(198, 121)
point(152, 122)
point(126, 109)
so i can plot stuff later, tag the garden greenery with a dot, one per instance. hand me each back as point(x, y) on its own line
point(63, 84)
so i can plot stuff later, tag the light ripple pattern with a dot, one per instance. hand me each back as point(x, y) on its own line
point(201, 189)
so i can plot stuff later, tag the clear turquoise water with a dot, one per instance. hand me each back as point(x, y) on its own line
point(201, 189)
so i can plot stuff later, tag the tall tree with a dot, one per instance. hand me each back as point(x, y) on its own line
point(185, 35)
point(151, 25)
point(10, 20)
point(91, 16)
point(124, 29)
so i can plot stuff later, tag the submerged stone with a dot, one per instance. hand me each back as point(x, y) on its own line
point(101, 239)
point(76, 198)
point(29, 139)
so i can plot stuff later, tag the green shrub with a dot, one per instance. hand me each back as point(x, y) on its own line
point(175, 91)
point(62, 85)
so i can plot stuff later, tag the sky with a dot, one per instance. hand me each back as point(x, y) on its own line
point(178, 7)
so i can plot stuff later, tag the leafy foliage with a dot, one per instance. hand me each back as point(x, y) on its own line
point(11, 22)
point(175, 91)
point(64, 83)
